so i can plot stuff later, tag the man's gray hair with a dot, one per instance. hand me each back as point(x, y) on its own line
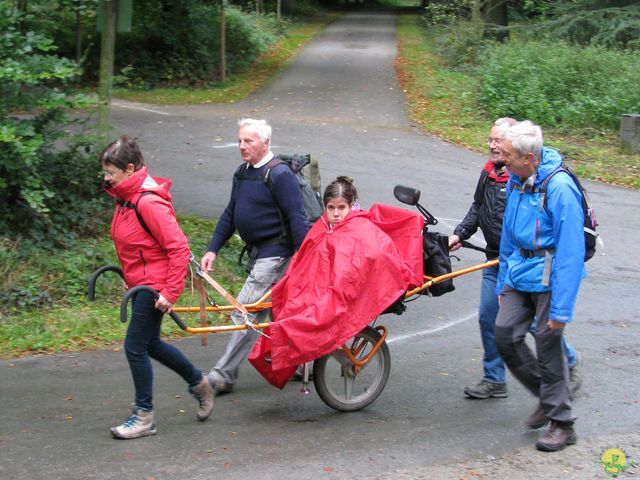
point(526, 137)
point(262, 128)
point(503, 123)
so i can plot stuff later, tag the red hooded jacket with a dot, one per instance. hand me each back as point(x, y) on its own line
point(160, 261)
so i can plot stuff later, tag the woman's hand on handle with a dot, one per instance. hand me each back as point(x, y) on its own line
point(163, 304)
point(206, 263)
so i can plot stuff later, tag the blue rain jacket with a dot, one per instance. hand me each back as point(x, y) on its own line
point(559, 226)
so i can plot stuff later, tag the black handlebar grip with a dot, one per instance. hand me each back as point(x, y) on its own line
point(134, 291)
point(91, 294)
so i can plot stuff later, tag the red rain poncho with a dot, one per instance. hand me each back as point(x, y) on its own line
point(340, 280)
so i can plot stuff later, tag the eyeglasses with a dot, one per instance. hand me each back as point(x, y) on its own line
point(104, 173)
point(497, 141)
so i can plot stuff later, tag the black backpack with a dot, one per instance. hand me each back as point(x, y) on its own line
point(311, 199)
point(590, 223)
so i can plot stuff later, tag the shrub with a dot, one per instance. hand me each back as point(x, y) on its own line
point(555, 84)
point(47, 181)
point(458, 35)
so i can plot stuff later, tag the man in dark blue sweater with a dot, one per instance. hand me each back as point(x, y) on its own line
point(271, 220)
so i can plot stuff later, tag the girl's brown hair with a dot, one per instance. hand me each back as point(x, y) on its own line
point(341, 187)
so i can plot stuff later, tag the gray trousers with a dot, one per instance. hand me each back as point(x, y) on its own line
point(264, 275)
point(546, 374)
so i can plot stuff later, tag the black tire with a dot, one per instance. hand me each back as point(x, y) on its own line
point(348, 392)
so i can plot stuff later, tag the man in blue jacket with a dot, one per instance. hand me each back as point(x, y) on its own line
point(541, 267)
point(272, 222)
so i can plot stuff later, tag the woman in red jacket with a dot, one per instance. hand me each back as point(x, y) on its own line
point(153, 251)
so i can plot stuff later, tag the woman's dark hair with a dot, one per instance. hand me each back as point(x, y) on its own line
point(340, 187)
point(121, 153)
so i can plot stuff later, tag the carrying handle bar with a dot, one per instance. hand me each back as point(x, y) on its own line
point(91, 294)
point(466, 244)
point(134, 291)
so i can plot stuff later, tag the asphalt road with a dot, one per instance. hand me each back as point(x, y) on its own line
point(338, 100)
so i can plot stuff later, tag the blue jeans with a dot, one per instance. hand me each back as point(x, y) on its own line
point(494, 370)
point(143, 342)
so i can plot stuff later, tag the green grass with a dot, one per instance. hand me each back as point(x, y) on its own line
point(443, 102)
point(238, 86)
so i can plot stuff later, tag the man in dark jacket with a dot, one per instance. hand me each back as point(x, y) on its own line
point(271, 220)
point(486, 213)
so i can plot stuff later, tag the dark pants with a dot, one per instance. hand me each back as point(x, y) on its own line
point(143, 342)
point(547, 375)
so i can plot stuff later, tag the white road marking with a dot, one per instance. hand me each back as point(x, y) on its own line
point(439, 328)
point(133, 106)
point(226, 145)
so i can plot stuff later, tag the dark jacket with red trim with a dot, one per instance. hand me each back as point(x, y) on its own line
point(159, 261)
point(487, 209)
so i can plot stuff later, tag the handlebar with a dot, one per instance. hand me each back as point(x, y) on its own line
point(91, 294)
point(134, 291)
point(466, 244)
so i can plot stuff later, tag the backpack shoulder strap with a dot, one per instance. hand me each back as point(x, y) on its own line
point(239, 173)
point(543, 188)
point(134, 207)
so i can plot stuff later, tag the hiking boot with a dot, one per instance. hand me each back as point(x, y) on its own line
point(139, 424)
point(203, 392)
point(486, 389)
point(537, 419)
point(575, 376)
point(556, 437)
point(220, 387)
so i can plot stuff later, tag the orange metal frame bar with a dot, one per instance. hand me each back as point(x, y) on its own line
point(262, 303)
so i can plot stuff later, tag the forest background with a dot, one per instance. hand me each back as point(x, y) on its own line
point(572, 65)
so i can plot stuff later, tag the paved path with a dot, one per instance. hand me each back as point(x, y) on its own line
point(338, 100)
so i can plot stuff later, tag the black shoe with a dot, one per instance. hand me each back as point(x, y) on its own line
point(537, 419)
point(486, 389)
point(556, 437)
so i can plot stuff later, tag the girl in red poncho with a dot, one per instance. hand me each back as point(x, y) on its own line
point(156, 256)
point(352, 265)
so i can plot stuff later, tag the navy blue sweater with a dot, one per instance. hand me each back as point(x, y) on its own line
point(253, 211)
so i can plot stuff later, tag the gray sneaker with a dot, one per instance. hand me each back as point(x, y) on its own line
point(486, 389)
point(139, 424)
point(575, 375)
point(203, 392)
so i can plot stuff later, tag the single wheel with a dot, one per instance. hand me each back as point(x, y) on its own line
point(341, 388)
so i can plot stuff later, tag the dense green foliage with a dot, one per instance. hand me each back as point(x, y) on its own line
point(179, 43)
point(568, 64)
point(47, 180)
point(170, 43)
point(612, 24)
point(558, 84)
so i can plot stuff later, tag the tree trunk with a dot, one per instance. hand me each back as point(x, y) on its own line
point(496, 19)
point(107, 53)
point(78, 36)
point(223, 43)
